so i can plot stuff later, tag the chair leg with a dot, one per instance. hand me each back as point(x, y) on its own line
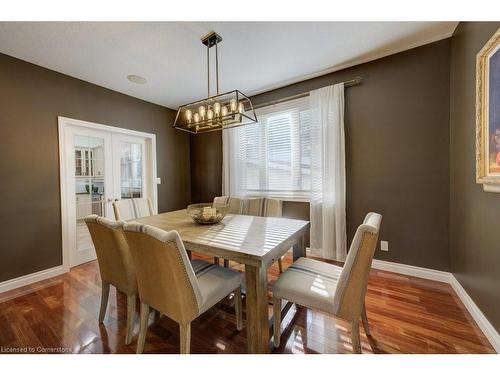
point(277, 321)
point(356, 345)
point(238, 309)
point(143, 328)
point(185, 335)
point(226, 263)
point(130, 318)
point(280, 264)
point(216, 260)
point(104, 300)
point(364, 318)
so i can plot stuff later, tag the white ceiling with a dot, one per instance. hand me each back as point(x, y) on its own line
point(253, 57)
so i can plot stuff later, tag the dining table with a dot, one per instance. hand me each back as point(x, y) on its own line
point(254, 241)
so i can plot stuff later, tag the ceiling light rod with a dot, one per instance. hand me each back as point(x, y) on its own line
point(220, 111)
point(210, 40)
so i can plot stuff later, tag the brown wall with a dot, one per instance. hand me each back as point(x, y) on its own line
point(397, 145)
point(31, 98)
point(474, 214)
point(206, 167)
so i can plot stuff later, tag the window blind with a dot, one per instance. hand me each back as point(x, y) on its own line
point(273, 157)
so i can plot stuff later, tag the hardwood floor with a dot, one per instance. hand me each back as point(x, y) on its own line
point(406, 314)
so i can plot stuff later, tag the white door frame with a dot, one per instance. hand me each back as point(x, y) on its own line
point(150, 156)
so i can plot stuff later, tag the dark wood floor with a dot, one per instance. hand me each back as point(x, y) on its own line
point(406, 314)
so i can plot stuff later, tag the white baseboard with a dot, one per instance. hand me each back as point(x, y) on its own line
point(405, 269)
point(483, 323)
point(31, 278)
point(446, 277)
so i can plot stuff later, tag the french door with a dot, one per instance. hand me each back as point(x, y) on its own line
point(99, 164)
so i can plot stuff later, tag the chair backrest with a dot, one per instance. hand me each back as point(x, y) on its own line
point(165, 277)
point(261, 206)
point(351, 287)
point(255, 206)
point(113, 254)
point(221, 200)
point(273, 207)
point(235, 204)
point(124, 209)
point(143, 207)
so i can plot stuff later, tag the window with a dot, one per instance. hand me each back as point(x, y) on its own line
point(273, 156)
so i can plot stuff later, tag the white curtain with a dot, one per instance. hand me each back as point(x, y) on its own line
point(229, 165)
point(328, 221)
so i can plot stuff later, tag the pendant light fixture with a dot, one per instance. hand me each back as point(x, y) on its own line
point(222, 111)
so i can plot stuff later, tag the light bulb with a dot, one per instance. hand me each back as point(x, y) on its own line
point(196, 117)
point(201, 111)
point(189, 115)
point(210, 114)
point(232, 104)
point(223, 111)
point(217, 108)
point(241, 108)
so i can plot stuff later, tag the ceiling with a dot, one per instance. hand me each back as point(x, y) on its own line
point(253, 57)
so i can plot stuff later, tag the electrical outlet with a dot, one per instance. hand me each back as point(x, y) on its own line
point(384, 245)
point(158, 180)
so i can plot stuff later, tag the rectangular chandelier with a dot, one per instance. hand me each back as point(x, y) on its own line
point(218, 112)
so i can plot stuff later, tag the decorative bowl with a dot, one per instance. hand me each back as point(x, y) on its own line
point(207, 213)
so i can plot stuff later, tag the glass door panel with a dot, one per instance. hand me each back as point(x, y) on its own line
point(131, 178)
point(90, 189)
point(129, 167)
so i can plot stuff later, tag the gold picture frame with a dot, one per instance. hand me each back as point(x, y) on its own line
point(487, 120)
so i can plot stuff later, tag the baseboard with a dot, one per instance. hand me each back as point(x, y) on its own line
point(446, 277)
point(31, 278)
point(489, 331)
point(405, 269)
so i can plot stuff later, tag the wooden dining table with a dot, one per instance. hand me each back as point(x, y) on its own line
point(257, 242)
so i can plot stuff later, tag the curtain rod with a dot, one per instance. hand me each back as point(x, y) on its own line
point(351, 82)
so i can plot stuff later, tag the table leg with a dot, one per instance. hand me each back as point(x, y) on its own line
point(299, 249)
point(257, 310)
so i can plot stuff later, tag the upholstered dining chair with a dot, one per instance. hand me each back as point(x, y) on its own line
point(124, 209)
point(336, 290)
point(169, 283)
point(143, 207)
point(235, 204)
point(115, 265)
point(262, 206)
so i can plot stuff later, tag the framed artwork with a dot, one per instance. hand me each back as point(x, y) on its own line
point(488, 115)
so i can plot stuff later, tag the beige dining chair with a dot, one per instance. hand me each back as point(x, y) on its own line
point(115, 265)
point(169, 283)
point(254, 206)
point(235, 204)
point(336, 290)
point(124, 209)
point(262, 206)
point(143, 207)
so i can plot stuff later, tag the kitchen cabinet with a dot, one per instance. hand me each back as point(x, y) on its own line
point(89, 162)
